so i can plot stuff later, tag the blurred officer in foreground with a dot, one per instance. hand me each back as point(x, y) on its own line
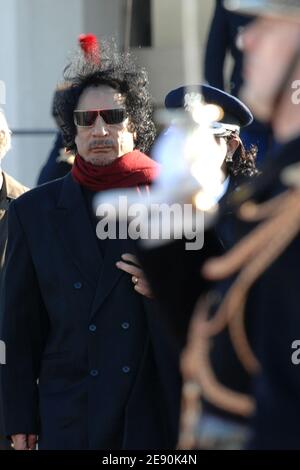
point(260, 310)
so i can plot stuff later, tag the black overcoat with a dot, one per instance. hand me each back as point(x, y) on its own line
point(89, 366)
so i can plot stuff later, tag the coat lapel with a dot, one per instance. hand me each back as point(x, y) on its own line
point(72, 222)
point(110, 274)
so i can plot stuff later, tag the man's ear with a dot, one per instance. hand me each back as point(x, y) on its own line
point(232, 145)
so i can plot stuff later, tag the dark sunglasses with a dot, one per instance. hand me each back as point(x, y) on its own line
point(88, 118)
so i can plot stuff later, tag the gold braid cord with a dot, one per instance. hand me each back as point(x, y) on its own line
point(280, 223)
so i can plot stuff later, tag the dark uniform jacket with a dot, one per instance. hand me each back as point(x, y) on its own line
point(107, 376)
point(273, 315)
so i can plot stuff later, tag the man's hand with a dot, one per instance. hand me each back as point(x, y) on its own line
point(24, 441)
point(139, 280)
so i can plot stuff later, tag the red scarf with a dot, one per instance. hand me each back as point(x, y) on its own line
point(132, 169)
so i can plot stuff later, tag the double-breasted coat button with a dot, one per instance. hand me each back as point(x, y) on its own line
point(92, 328)
point(77, 285)
point(125, 325)
point(94, 372)
point(126, 369)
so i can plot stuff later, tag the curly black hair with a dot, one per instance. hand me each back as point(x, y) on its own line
point(243, 161)
point(115, 69)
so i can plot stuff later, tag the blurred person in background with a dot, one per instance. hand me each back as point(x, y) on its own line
point(10, 189)
point(223, 39)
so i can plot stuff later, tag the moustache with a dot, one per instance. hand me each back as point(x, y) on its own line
point(100, 143)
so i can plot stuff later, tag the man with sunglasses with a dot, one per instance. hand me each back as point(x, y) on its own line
point(79, 319)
